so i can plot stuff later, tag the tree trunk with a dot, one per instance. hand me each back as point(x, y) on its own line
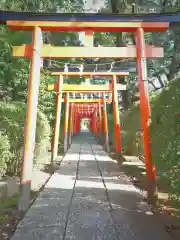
point(46, 40)
point(173, 68)
point(164, 3)
point(117, 6)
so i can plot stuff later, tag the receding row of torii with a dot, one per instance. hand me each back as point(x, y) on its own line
point(38, 50)
point(74, 111)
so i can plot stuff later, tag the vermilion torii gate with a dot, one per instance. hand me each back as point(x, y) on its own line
point(74, 109)
point(79, 111)
point(112, 88)
point(96, 23)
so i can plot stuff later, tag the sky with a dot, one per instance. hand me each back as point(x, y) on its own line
point(91, 6)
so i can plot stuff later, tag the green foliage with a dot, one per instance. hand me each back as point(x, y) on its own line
point(7, 205)
point(12, 118)
point(165, 136)
point(43, 127)
point(43, 137)
point(13, 71)
point(5, 153)
point(130, 129)
point(47, 99)
point(131, 126)
point(14, 74)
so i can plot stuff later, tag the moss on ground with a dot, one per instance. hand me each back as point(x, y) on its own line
point(6, 206)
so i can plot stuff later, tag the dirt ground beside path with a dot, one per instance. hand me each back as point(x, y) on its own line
point(9, 216)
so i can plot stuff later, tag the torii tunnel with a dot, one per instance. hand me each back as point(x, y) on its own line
point(86, 88)
point(95, 109)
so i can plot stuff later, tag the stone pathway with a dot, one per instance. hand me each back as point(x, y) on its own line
point(89, 198)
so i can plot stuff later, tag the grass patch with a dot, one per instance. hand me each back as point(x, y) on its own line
point(6, 206)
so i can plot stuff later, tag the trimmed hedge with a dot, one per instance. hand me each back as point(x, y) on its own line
point(12, 119)
point(165, 137)
point(130, 125)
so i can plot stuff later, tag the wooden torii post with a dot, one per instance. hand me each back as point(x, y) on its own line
point(100, 117)
point(71, 123)
point(37, 50)
point(117, 134)
point(57, 118)
point(66, 121)
point(105, 123)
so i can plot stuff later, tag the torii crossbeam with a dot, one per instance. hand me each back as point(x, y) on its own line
point(88, 88)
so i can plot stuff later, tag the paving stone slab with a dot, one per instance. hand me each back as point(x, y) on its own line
point(46, 219)
point(89, 215)
point(132, 216)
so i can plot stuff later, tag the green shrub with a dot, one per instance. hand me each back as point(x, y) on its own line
point(12, 120)
point(43, 132)
point(12, 117)
point(165, 137)
point(130, 125)
point(5, 154)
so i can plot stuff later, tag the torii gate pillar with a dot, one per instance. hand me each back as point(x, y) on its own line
point(66, 120)
point(71, 123)
point(31, 116)
point(100, 118)
point(145, 115)
point(116, 116)
point(57, 118)
point(106, 134)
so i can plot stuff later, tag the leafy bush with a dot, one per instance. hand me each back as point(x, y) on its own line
point(130, 125)
point(12, 120)
point(43, 132)
point(165, 137)
point(12, 117)
point(5, 154)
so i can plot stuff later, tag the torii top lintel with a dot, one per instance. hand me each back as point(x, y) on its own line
point(90, 73)
point(84, 22)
